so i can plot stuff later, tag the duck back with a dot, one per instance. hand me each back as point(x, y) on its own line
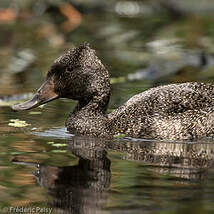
point(175, 112)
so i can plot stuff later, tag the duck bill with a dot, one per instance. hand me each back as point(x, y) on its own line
point(44, 95)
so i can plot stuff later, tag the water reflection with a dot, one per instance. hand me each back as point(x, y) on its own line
point(81, 188)
point(84, 186)
point(183, 160)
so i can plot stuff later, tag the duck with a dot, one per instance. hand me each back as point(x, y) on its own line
point(179, 111)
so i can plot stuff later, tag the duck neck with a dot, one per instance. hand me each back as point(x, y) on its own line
point(96, 105)
point(88, 118)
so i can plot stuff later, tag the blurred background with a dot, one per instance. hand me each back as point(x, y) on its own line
point(148, 42)
point(143, 43)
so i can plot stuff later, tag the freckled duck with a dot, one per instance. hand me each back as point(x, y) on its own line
point(174, 112)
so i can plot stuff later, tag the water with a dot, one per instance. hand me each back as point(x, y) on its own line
point(51, 168)
point(142, 45)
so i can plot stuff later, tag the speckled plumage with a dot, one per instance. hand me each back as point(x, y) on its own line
point(173, 112)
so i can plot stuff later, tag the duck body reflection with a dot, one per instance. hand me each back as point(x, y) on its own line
point(85, 187)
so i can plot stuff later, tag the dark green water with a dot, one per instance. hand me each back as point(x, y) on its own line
point(43, 166)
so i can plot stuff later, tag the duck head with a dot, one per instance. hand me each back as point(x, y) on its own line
point(78, 75)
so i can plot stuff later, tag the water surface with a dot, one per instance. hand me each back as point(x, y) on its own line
point(51, 168)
